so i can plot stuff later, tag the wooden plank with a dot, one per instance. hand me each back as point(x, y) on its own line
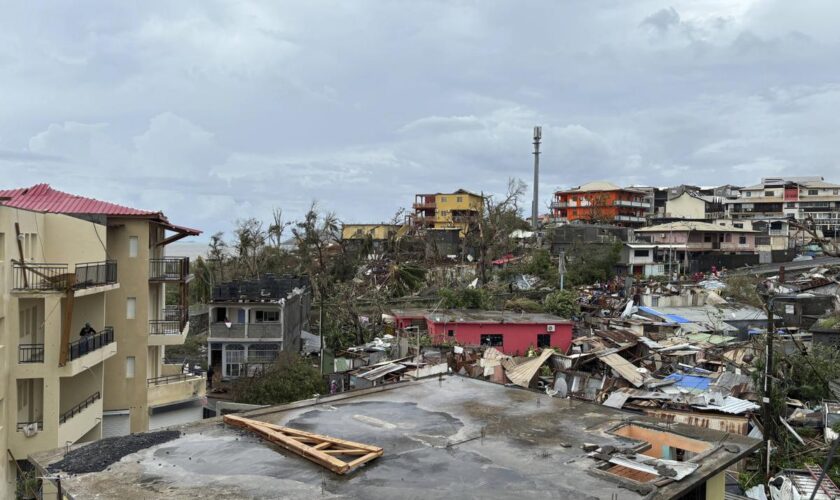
point(68, 318)
point(342, 442)
point(294, 440)
point(20, 253)
point(290, 444)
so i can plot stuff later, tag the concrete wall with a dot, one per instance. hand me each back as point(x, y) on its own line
point(123, 393)
point(517, 337)
point(72, 241)
point(686, 206)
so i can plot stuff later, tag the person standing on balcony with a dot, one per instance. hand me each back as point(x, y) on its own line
point(87, 330)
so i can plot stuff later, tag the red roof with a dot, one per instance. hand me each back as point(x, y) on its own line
point(43, 198)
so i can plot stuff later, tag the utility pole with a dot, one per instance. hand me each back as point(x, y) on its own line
point(535, 207)
point(561, 268)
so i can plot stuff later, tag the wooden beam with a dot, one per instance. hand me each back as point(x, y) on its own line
point(20, 252)
point(70, 297)
point(323, 453)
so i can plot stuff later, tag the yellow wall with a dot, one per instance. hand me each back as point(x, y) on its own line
point(445, 204)
point(716, 487)
point(376, 231)
point(123, 393)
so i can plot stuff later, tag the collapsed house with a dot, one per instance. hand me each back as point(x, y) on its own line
point(433, 434)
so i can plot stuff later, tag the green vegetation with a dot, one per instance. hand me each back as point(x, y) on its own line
point(562, 303)
point(291, 378)
point(523, 304)
point(590, 263)
point(465, 298)
point(743, 289)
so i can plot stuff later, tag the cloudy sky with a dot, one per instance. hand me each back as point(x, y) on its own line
point(214, 111)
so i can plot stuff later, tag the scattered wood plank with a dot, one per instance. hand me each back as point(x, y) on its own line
point(325, 450)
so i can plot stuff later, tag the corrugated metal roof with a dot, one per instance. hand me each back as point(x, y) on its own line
point(43, 198)
point(522, 374)
point(626, 369)
point(731, 405)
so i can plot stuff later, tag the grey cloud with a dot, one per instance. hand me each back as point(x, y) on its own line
point(662, 20)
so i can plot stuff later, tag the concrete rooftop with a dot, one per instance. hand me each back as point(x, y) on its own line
point(431, 431)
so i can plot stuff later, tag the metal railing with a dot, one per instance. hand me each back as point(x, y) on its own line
point(96, 273)
point(169, 269)
point(169, 379)
point(21, 425)
point(30, 353)
point(40, 276)
point(85, 345)
point(72, 412)
point(164, 327)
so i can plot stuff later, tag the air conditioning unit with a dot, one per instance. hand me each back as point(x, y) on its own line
point(549, 328)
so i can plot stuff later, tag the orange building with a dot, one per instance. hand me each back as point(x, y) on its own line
point(601, 202)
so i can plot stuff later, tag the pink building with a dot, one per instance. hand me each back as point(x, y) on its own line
point(702, 236)
point(510, 332)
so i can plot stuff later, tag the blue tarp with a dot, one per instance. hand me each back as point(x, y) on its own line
point(691, 382)
point(672, 318)
point(676, 319)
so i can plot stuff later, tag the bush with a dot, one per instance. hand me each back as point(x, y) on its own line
point(465, 298)
point(522, 304)
point(561, 303)
point(291, 378)
point(591, 263)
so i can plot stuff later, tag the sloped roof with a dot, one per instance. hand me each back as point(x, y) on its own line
point(43, 198)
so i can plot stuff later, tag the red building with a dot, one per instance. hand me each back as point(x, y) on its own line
point(601, 202)
point(511, 332)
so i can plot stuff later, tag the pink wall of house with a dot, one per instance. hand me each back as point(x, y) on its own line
point(517, 338)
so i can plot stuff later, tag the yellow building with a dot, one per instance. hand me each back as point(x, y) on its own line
point(377, 232)
point(460, 209)
point(68, 261)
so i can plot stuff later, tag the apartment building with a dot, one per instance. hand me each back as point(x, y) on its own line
point(252, 322)
point(785, 197)
point(601, 202)
point(67, 261)
point(460, 210)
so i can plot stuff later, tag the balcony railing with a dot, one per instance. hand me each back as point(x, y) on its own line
point(39, 423)
point(85, 345)
point(79, 408)
point(164, 327)
point(39, 276)
point(169, 269)
point(560, 204)
point(90, 274)
point(31, 353)
point(424, 205)
point(169, 379)
point(255, 330)
point(56, 277)
point(628, 203)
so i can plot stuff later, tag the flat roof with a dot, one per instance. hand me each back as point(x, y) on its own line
point(443, 437)
point(477, 316)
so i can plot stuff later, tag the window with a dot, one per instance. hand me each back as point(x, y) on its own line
point(641, 253)
point(791, 205)
point(459, 199)
point(813, 192)
point(492, 339)
point(742, 240)
point(707, 237)
point(836, 191)
point(443, 199)
point(544, 340)
point(769, 193)
point(129, 367)
point(267, 316)
point(450, 333)
point(739, 225)
point(130, 307)
point(2, 246)
point(748, 193)
point(133, 246)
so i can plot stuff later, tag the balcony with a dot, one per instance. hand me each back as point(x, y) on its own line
point(86, 352)
point(629, 218)
point(80, 419)
point(30, 353)
point(41, 277)
point(246, 331)
point(178, 388)
point(635, 204)
point(86, 345)
point(424, 205)
point(169, 269)
point(561, 204)
point(171, 330)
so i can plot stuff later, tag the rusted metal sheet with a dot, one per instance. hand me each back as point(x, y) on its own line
point(734, 425)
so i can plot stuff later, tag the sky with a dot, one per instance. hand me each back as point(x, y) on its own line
point(218, 111)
